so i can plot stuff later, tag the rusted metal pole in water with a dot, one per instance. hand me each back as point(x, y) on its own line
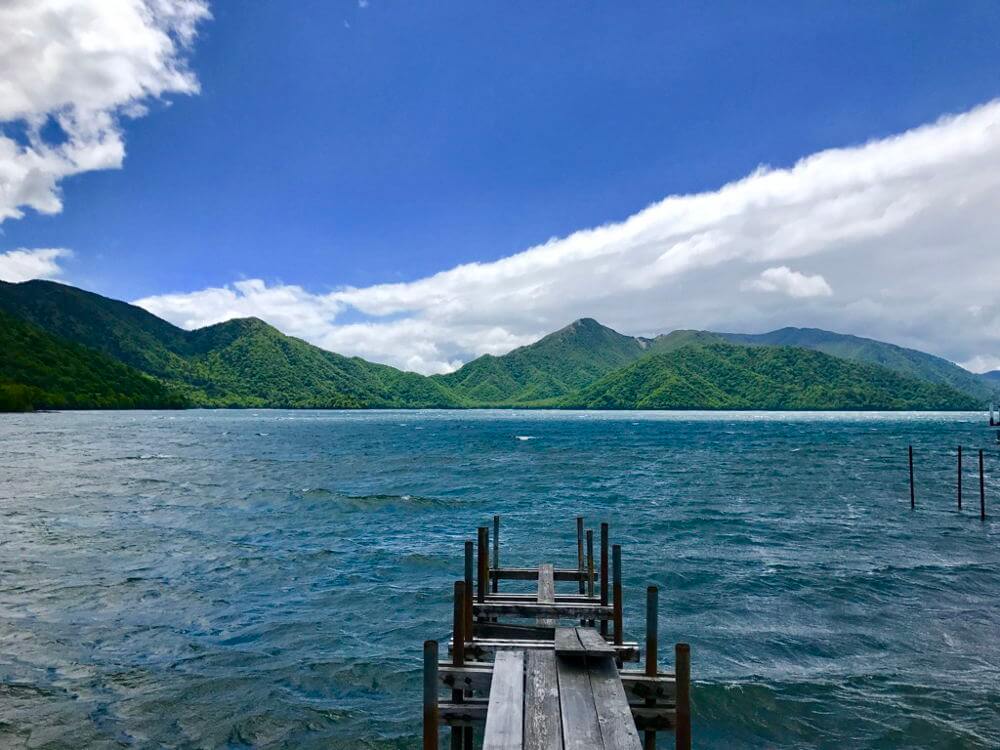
point(616, 553)
point(458, 654)
point(604, 575)
point(496, 551)
point(652, 633)
point(982, 488)
point(913, 497)
point(468, 589)
point(579, 551)
point(484, 564)
point(960, 477)
point(430, 695)
point(682, 676)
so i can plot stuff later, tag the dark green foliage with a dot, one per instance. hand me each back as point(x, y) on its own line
point(122, 356)
point(909, 362)
point(239, 363)
point(556, 365)
point(40, 371)
point(725, 376)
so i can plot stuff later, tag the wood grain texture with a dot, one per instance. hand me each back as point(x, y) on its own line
point(614, 715)
point(567, 643)
point(580, 727)
point(546, 593)
point(505, 714)
point(593, 643)
point(542, 723)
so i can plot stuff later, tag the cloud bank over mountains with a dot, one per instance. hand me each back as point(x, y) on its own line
point(70, 71)
point(895, 239)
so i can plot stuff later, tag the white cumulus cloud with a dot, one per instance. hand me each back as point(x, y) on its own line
point(82, 65)
point(23, 264)
point(904, 228)
point(784, 280)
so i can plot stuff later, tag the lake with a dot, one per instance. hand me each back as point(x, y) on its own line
point(266, 579)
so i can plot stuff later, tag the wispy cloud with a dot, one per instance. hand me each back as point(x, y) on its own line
point(903, 228)
point(23, 264)
point(82, 65)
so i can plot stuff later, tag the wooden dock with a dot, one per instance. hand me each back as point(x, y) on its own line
point(545, 670)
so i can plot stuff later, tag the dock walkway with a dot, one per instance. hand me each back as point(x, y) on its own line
point(551, 684)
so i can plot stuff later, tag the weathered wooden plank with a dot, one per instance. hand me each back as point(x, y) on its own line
point(510, 630)
point(593, 643)
point(542, 725)
point(613, 711)
point(580, 727)
point(567, 643)
point(505, 715)
point(510, 596)
point(473, 712)
point(530, 574)
point(535, 610)
point(546, 593)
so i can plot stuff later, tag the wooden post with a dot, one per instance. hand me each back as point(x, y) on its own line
point(430, 695)
point(590, 563)
point(458, 626)
point(458, 654)
point(590, 569)
point(913, 497)
point(652, 633)
point(604, 575)
point(682, 675)
point(982, 488)
point(484, 564)
point(496, 551)
point(616, 553)
point(469, 631)
point(579, 551)
point(960, 477)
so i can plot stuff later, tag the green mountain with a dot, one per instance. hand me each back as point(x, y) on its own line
point(554, 366)
point(728, 376)
point(237, 363)
point(66, 347)
point(41, 371)
point(908, 362)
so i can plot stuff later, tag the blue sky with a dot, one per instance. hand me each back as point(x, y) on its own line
point(334, 145)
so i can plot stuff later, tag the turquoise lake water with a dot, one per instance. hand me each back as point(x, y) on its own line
point(266, 579)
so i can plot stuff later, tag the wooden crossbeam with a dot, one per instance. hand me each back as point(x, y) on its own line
point(473, 712)
point(531, 574)
point(627, 651)
point(476, 676)
point(505, 596)
point(535, 610)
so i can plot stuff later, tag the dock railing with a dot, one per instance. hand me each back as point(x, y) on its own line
point(561, 681)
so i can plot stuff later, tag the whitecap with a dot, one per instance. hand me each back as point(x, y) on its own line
point(525, 437)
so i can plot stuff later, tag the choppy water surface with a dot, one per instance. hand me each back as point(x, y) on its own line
point(240, 579)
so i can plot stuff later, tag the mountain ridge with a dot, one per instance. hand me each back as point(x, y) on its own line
point(246, 362)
